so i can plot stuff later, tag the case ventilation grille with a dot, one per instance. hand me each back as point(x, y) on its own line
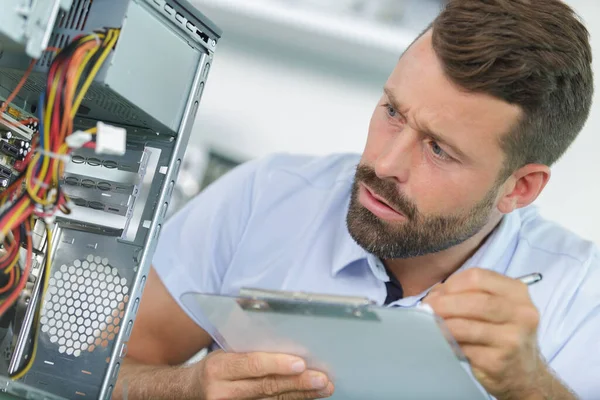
point(74, 20)
point(84, 305)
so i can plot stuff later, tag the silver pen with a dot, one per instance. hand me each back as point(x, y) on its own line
point(530, 279)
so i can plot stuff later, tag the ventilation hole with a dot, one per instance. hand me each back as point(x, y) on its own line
point(77, 159)
point(94, 162)
point(88, 183)
point(71, 180)
point(86, 15)
point(110, 164)
point(96, 205)
point(103, 186)
point(79, 201)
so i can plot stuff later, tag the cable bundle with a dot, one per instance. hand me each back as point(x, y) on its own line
point(36, 192)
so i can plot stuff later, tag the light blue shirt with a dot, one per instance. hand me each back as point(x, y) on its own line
point(280, 223)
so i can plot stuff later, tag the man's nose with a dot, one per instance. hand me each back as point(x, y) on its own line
point(396, 159)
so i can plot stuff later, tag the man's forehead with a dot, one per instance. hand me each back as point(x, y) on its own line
point(421, 86)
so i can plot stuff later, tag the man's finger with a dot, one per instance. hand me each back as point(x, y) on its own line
point(274, 386)
point(321, 394)
point(477, 279)
point(256, 365)
point(478, 306)
point(473, 332)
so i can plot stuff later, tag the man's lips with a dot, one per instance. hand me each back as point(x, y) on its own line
point(377, 205)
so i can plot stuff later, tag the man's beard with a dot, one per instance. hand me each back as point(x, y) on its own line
point(420, 234)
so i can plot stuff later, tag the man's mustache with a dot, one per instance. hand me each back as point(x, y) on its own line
point(387, 190)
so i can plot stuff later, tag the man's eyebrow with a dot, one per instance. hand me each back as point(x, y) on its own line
point(424, 129)
point(392, 99)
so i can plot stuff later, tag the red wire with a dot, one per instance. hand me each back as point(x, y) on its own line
point(10, 282)
point(13, 296)
point(13, 209)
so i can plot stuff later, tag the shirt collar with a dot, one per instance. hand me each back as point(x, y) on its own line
point(494, 254)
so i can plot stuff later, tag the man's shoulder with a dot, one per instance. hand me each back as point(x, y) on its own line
point(569, 263)
point(283, 169)
point(544, 235)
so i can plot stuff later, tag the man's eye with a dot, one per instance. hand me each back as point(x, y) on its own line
point(438, 151)
point(391, 111)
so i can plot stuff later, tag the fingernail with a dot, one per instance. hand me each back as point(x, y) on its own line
point(318, 381)
point(326, 393)
point(298, 366)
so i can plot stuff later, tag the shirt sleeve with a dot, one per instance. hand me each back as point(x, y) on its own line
point(197, 244)
point(577, 362)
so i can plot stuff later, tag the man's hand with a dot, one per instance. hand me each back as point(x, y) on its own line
point(495, 323)
point(259, 376)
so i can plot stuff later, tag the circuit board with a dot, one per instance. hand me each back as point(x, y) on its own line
point(17, 129)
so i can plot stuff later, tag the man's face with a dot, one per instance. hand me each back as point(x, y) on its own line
point(428, 177)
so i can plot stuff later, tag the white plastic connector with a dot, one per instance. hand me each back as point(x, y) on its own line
point(110, 139)
point(78, 139)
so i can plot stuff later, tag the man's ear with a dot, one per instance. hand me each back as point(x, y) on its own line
point(523, 187)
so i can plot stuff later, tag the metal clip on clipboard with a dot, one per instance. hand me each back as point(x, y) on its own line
point(303, 303)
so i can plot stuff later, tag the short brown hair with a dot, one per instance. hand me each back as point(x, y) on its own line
point(534, 54)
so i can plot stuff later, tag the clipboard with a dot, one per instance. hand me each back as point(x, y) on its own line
point(368, 351)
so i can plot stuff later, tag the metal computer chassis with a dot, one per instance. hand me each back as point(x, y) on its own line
point(152, 85)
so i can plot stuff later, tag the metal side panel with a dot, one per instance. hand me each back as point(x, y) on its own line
point(153, 66)
point(89, 288)
point(158, 217)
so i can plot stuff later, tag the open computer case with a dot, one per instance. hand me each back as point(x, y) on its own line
point(64, 328)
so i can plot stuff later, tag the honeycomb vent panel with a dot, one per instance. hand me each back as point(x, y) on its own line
point(84, 305)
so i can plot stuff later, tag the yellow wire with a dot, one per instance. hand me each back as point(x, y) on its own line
point(12, 264)
point(62, 150)
point(27, 367)
point(28, 180)
point(9, 225)
point(46, 161)
point(94, 71)
point(48, 113)
point(92, 130)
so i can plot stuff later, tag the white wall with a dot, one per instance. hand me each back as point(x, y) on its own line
point(263, 98)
